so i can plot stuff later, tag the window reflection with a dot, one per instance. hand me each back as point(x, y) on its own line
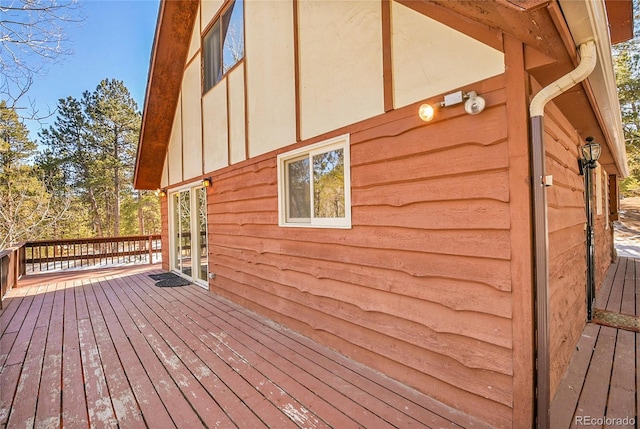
point(328, 184)
point(299, 204)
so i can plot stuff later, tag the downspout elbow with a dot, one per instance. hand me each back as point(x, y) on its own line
point(588, 59)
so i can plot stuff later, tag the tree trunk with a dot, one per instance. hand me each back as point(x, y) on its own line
point(140, 214)
point(116, 186)
point(116, 202)
point(96, 213)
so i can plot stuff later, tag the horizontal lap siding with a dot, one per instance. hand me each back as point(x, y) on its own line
point(419, 288)
point(164, 231)
point(604, 234)
point(567, 248)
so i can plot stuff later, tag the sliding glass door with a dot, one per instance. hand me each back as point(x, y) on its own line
point(189, 234)
point(201, 208)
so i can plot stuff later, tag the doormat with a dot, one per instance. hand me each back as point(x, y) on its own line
point(616, 320)
point(162, 276)
point(169, 280)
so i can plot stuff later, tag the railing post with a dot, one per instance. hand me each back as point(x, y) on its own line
point(22, 260)
point(3, 286)
point(150, 250)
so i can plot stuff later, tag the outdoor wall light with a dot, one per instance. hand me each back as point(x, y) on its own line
point(473, 104)
point(426, 112)
point(206, 182)
point(161, 192)
point(590, 154)
point(591, 151)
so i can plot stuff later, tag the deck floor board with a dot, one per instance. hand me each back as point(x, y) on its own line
point(603, 375)
point(107, 348)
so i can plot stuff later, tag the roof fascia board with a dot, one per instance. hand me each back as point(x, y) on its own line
point(587, 20)
point(176, 19)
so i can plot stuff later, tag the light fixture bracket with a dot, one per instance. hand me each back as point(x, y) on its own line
point(453, 99)
point(473, 104)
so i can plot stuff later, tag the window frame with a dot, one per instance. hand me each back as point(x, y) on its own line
point(336, 143)
point(217, 24)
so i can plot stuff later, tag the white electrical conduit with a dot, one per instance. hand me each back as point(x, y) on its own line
point(588, 60)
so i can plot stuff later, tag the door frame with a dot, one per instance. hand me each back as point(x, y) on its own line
point(192, 188)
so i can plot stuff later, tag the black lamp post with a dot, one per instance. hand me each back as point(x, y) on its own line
point(591, 153)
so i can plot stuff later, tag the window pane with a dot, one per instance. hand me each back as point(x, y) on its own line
point(212, 65)
point(328, 184)
point(298, 199)
point(202, 232)
point(185, 232)
point(233, 33)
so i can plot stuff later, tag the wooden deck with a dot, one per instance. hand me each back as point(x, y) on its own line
point(602, 378)
point(107, 348)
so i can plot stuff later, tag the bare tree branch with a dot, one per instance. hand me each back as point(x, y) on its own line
point(32, 35)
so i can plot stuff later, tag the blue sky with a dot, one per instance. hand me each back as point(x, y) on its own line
point(114, 41)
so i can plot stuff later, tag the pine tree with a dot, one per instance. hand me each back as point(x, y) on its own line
point(91, 149)
point(627, 67)
point(115, 126)
point(27, 210)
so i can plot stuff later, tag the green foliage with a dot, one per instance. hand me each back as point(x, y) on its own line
point(80, 183)
point(90, 152)
point(27, 210)
point(627, 66)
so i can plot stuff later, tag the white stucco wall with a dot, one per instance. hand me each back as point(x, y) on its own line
point(341, 78)
point(191, 121)
point(271, 109)
point(174, 153)
point(214, 109)
point(208, 10)
point(430, 58)
point(194, 44)
point(164, 181)
point(237, 141)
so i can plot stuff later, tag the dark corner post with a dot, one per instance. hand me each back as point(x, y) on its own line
point(541, 273)
point(591, 153)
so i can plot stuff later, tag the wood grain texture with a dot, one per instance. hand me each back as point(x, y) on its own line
point(567, 246)
point(420, 286)
point(521, 232)
point(183, 357)
point(600, 375)
point(566, 217)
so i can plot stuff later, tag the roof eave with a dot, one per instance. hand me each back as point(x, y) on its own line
point(587, 20)
point(168, 58)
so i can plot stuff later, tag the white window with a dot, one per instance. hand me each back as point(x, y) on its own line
point(314, 187)
point(223, 45)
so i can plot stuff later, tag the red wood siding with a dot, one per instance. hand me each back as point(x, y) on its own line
point(604, 234)
point(164, 232)
point(420, 287)
point(567, 247)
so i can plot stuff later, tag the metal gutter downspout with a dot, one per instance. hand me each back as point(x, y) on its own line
point(541, 237)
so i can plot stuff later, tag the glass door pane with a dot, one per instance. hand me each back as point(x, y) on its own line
point(184, 211)
point(175, 204)
point(201, 208)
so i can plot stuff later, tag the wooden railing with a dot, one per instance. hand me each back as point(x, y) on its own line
point(12, 267)
point(48, 255)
